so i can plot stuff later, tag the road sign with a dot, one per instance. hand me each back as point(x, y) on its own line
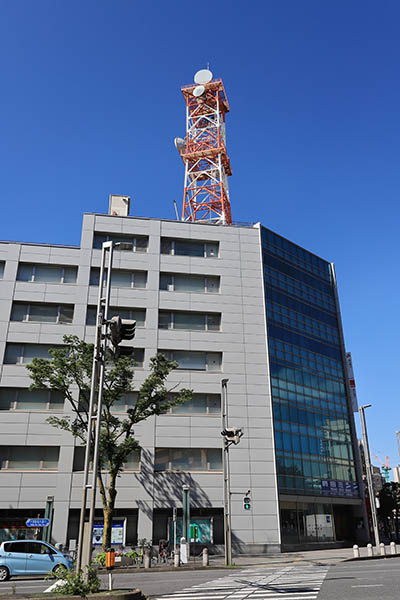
point(37, 522)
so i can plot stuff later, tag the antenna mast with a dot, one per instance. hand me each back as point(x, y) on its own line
point(203, 151)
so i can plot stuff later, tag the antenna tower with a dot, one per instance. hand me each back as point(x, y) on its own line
point(203, 151)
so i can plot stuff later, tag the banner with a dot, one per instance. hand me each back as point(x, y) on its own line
point(351, 381)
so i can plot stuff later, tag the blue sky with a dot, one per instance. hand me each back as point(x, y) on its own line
point(91, 103)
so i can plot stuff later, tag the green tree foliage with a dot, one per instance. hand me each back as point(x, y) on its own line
point(389, 508)
point(69, 371)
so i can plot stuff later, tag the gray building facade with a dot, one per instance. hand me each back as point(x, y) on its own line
point(198, 293)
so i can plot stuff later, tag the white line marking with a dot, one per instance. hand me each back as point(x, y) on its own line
point(369, 585)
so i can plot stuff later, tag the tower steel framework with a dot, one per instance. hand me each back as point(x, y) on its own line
point(207, 165)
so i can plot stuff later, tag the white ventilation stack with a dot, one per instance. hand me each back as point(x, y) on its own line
point(119, 205)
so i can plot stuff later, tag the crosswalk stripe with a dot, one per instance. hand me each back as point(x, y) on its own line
point(284, 583)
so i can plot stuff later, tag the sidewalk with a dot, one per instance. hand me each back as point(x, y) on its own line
point(311, 557)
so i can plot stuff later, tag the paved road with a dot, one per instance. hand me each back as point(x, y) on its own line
point(367, 580)
point(370, 579)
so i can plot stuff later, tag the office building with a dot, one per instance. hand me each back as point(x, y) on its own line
point(226, 302)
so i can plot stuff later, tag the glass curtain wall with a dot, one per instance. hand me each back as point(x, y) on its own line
point(311, 421)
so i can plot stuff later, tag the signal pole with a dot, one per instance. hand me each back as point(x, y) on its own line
point(368, 469)
point(225, 462)
point(97, 381)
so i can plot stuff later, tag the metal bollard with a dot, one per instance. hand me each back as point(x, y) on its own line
point(356, 551)
point(370, 550)
point(147, 559)
point(205, 557)
point(177, 561)
point(392, 548)
point(382, 549)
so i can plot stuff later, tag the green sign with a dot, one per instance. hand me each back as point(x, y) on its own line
point(194, 533)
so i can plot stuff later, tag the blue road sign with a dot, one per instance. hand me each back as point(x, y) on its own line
point(37, 522)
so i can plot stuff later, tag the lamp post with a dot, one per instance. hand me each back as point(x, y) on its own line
point(368, 469)
point(95, 412)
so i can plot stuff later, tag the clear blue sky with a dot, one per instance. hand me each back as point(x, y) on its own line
point(91, 102)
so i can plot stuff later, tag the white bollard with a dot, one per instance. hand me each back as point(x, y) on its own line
point(370, 550)
point(205, 557)
point(356, 551)
point(392, 548)
point(382, 549)
point(147, 559)
point(177, 561)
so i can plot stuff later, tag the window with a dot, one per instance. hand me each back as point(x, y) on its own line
point(121, 279)
point(200, 404)
point(24, 399)
point(183, 282)
point(46, 273)
point(196, 361)
point(188, 459)
point(132, 462)
point(189, 320)
point(189, 248)
point(121, 405)
point(18, 354)
point(136, 314)
point(42, 313)
point(29, 458)
point(2, 263)
point(140, 242)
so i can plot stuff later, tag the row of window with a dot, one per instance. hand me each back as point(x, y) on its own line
point(294, 273)
point(303, 378)
point(294, 253)
point(177, 247)
point(296, 288)
point(295, 320)
point(317, 446)
point(63, 314)
point(46, 400)
point(301, 307)
point(289, 465)
point(298, 415)
point(2, 263)
point(45, 458)
point(179, 282)
point(333, 404)
point(298, 339)
point(326, 434)
point(22, 354)
point(305, 358)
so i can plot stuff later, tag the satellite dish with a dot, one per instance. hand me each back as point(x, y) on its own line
point(203, 76)
point(180, 143)
point(199, 90)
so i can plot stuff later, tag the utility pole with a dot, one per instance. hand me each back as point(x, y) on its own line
point(368, 468)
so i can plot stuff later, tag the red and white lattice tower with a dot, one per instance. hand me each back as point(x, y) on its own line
point(203, 151)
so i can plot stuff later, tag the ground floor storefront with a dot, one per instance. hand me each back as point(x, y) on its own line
point(312, 522)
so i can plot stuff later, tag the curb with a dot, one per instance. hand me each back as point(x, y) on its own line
point(376, 557)
point(114, 595)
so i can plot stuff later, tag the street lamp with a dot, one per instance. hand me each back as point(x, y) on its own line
point(94, 420)
point(368, 468)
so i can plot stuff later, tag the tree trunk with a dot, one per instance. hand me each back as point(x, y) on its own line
point(108, 512)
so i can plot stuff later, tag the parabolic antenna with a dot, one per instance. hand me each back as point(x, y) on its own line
point(180, 144)
point(199, 90)
point(203, 76)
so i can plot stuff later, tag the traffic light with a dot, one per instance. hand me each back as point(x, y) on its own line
point(121, 329)
point(232, 435)
point(247, 501)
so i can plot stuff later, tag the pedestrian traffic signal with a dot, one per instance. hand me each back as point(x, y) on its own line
point(246, 502)
point(121, 329)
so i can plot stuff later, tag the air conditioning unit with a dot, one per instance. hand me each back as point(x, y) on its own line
point(119, 205)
